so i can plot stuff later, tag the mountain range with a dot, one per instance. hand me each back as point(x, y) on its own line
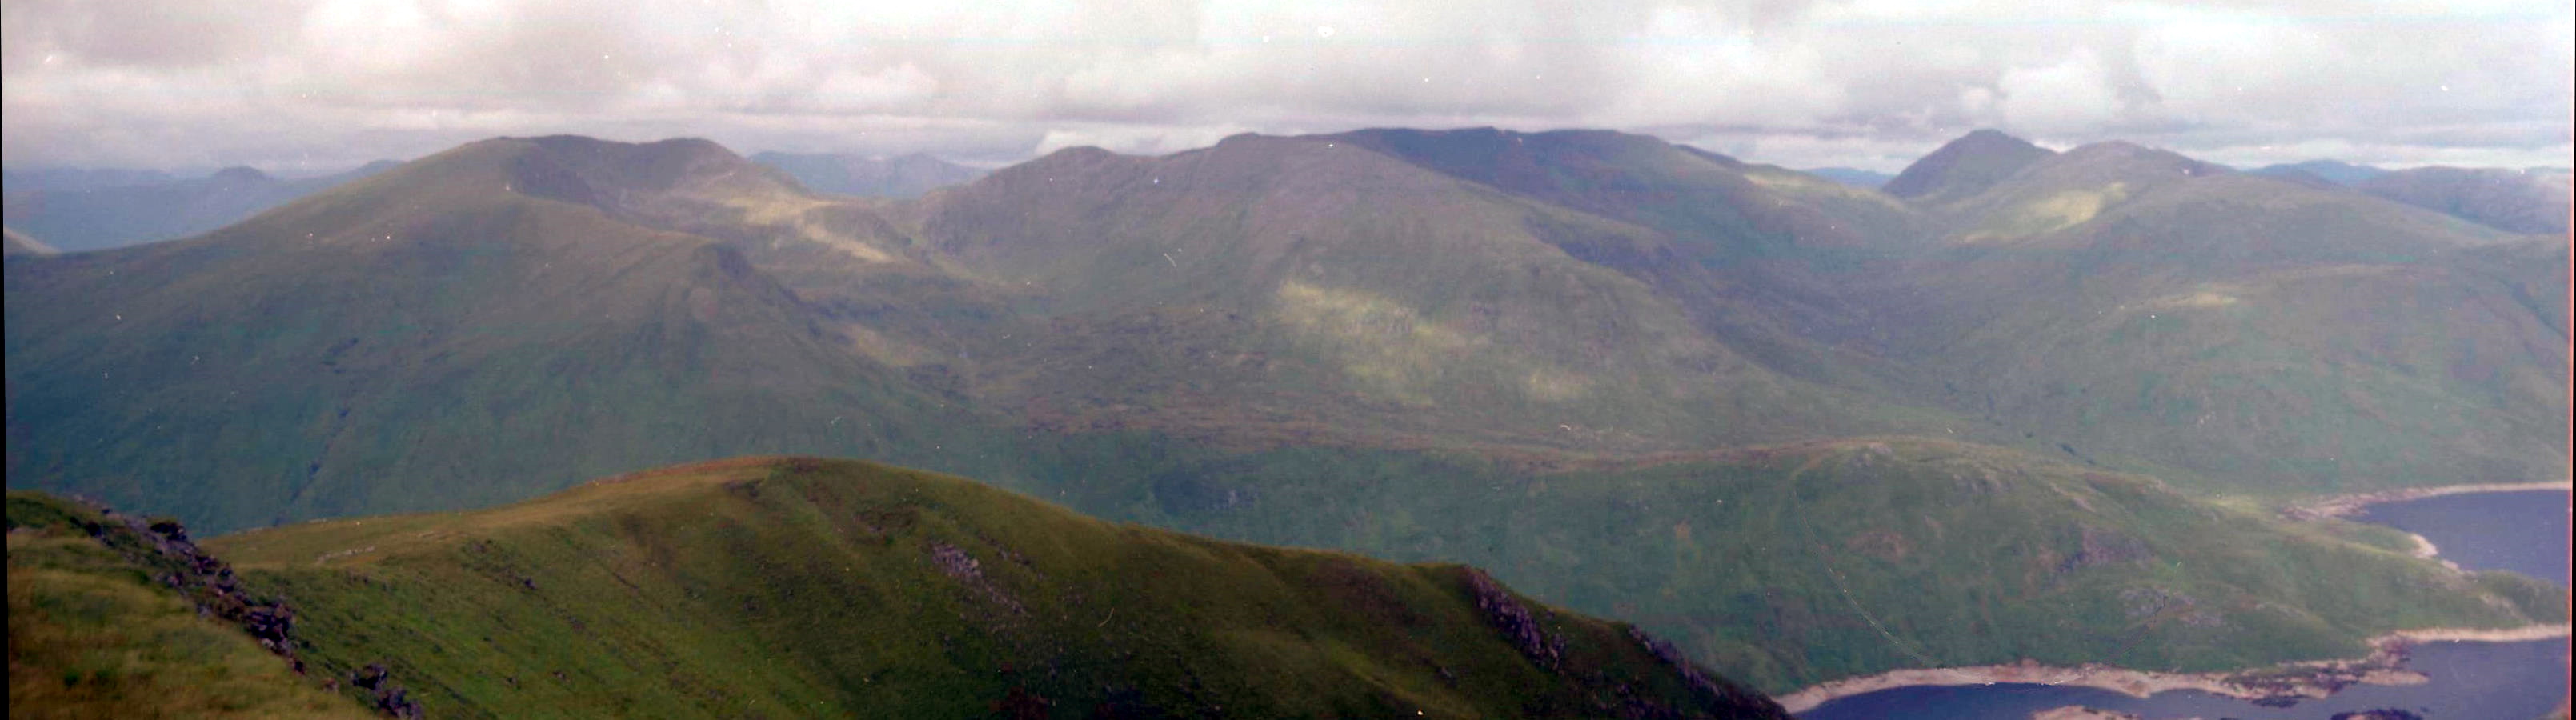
point(76, 211)
point(1750, 409)
point(2533, 200)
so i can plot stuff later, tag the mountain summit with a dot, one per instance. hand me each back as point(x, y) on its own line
point(1964, 167)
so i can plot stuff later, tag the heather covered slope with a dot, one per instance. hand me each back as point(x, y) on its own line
point(794, 587)
point(435, 324)
point(95, 633)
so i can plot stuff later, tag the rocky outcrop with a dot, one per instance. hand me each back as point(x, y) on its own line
point(1727, 699)
point(1514, 620)
point(956, 563)
point(1672, 656)
point(388, 698)
point(162, 545)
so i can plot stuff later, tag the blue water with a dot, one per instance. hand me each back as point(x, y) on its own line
point(2525, 532)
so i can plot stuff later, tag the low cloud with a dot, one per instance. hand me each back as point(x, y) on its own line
point(310, 84)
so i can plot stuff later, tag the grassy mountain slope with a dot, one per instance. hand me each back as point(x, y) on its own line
point(802, 587)
point(1750, 251)
point(1314, 289)
point(435, 324)
point(2244, 332)
point(1788, 565)
point(106, 217)
point(92, 634)
point(2065, 190)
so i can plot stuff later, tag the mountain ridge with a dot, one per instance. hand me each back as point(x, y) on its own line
point(978, 599)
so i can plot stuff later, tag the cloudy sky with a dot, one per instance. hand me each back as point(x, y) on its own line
point(312, 85)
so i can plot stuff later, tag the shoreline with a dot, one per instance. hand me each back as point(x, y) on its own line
point(2309, 679)
point(2346, 505)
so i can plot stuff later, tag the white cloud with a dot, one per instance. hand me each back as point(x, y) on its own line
point(2073, 97)
point(169, 82)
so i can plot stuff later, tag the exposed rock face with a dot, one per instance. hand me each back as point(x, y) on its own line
point(1515, 621)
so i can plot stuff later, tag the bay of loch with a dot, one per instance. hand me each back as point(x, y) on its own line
point(2523, 531)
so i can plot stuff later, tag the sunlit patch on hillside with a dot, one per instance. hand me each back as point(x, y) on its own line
point(2207, 297)
point(1804, 184)
point(2058, 211)
point(1390, 347)
point(794, 213)
point(1380, 342)
point(882, 348)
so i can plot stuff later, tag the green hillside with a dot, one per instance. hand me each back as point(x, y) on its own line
point(1753, 253)
point(1548, 354)
point(2240, 332)
point(1313, 289)
point(1789, 565)
point(95, 633)
point(798, 587)
point(428, 338)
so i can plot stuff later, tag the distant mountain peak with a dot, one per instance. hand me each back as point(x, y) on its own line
point(884, 175)
point(1966, 166)
point(2122, 152)
point(2334, 171)
point(2506, 199)
point(624, 175)
point(241, 173)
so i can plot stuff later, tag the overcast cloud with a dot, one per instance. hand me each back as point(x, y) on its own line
point(322, 84)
